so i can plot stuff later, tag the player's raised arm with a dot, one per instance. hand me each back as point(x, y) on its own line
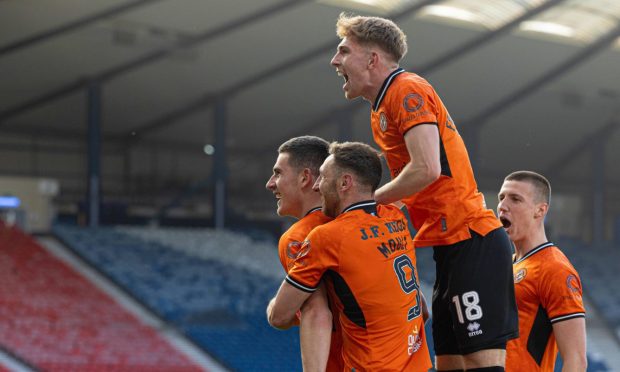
point(422, 143)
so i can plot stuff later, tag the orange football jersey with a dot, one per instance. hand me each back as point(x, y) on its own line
point(288, 249)
point(445, 210)
point(368, 254)
point(548, 290)
point(291, 241)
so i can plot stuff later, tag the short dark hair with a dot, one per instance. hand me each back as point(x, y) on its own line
point(540, 183)
point(306, 152)
point(361, 159)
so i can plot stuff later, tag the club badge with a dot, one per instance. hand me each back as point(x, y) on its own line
point(382, 122)
point(520, 275)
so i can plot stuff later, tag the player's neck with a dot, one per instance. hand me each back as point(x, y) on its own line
point(524, 246)
point(351, 199)
point(310, 202)
point(376, 82)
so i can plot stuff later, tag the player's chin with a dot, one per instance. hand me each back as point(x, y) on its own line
point(281, 210)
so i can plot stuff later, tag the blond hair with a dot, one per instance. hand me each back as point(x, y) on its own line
point(374, 30)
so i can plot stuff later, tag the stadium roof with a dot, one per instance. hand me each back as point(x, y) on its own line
point(531, 84)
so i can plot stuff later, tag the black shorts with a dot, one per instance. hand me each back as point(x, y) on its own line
point(474, 304)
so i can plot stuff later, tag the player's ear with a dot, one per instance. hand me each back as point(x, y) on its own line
point(541, 210)
point(373, 59)
point(306, 177)
point(346, 181)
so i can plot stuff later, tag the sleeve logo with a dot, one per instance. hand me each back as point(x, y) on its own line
point(413, 102)
point(296, 249)
point(572, 283)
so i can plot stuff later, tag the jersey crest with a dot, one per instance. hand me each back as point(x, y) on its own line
point(383, 122)
point(520, 275)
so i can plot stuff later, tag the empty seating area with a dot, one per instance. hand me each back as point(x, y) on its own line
point(56, 320)
point(212, 286)
point(598, 267)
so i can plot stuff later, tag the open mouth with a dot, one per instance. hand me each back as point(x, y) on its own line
point(344, 76)
point(505, 221)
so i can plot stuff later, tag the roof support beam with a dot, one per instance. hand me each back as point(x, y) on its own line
point(71, 26)
point(154, 56)
point(483, 39)
point(509, 100)
point(207, 99)
point(442, 60)
point(586, 143)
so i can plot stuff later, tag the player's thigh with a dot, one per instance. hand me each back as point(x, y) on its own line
point(444, 339)
point(449, 362)
point(485, 358)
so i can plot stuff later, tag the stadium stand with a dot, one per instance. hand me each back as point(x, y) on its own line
point(55, 320)
point(600, 279)
point(212, 286)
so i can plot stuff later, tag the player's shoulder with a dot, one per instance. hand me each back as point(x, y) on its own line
point(389, 212)
point(336, 229)
point(553, 262)
point(553, 255)
point(323, 229)
point(317, 218)
point(308, 222)
point(408, 82)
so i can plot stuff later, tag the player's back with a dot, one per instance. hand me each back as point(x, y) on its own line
point(376, 282)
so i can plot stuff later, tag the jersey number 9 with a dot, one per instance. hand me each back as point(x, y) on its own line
point(408, 283)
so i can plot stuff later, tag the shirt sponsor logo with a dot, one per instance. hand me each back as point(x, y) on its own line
point(520, 275)
point(414, 341)
point(383, 122)
point(413, 102)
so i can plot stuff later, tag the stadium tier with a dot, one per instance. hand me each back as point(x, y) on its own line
point(213, 286)
point(218, 303)
point(56, 320)
point(598, 268)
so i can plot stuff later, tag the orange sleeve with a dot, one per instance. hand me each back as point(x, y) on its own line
point(413, 104)
point(561, 293)
point(317, 255)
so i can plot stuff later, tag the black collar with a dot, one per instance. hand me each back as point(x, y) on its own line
point(385, 86)
point(312, 210)
point(368, 206)
point(535, 250)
